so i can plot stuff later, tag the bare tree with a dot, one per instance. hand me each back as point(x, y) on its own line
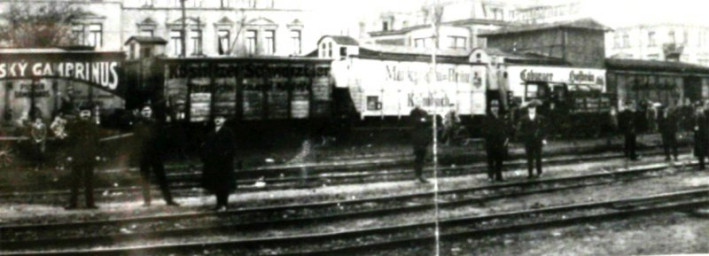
point(38, 25)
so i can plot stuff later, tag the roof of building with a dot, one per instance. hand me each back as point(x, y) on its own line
point(147, 40)
point(524, 57)
point(454, 23)
point(341, 40)
point(587, 24)
point(654, 65)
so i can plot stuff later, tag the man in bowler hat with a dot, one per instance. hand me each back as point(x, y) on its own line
point(420, 138)
point(532, 129)
point(497, 131)
point(83, 142)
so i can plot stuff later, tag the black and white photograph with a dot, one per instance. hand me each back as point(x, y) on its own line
point(354, 127)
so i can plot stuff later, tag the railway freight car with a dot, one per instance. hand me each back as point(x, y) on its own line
point(265, 97)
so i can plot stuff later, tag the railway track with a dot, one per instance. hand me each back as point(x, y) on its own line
point(318, 174)
point(20, 237)
point(186, 185)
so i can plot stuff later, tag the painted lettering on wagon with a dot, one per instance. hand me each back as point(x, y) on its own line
point(403, 73)
point(102, 73)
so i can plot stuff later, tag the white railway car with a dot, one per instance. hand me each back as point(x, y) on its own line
point(381, 87)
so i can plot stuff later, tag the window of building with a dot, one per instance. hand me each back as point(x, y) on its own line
point(223, 41)
point(616, 41)
point(653, 56)
point(385, 25)
point(685, 37)
point(94, 35)
point(148, 3)
point(146, 32)
point(196, 41)
point(225, 3)
point(343, 52)
point(270, 37)
point(420, 42)
point(77, 34)
point(133, 51)
point(671, 37)
point(329, 49)
point(176, 41)
point(252, 3)
point(457, 42)
point(651, 38)
point(295, 37)
point(251, 41)
point(626, 40)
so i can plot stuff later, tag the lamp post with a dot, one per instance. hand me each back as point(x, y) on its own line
point(435, 19)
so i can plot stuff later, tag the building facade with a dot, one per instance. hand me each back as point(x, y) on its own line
point(211, 28)
point(580, 43)
point(659, 42)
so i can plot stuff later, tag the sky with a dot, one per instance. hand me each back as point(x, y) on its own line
point(613, 13)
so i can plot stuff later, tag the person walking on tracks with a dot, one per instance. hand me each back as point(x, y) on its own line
point(217, 153)
point(497, 132)
point(629, 125)
point(83, 141)
point(149, 137)
point(532, 129)
point(701, 135)
point(420, 138)
point(668, 124)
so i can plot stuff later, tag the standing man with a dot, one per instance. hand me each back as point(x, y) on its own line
point(420, 138)
point(451, 122)
point(217, 153)
point(701, 135)
point(150, 137)
point(497, 133)
point(533, 131)
point(668, 124)
point(629, 125)
point(83, 138)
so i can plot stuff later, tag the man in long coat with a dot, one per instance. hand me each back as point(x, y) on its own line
point(217, 155)
point(420, 139)
point(668, 124)
point(497, 131)
point(701, 135)
point(532, 129)
point(150, 138)
point(628, 122)
point(83, 142)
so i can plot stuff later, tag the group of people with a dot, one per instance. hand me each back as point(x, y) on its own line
point(532, 129)
point(79, 141)
point(498, 130)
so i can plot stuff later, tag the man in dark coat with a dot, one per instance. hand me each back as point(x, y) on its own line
point(701, 135)
point(150, 138)
point(83, 139)
point(217, 153)
point(532, 129)
point(420, 138)
point(497, 132)
point(629, 126)
point(668, 125)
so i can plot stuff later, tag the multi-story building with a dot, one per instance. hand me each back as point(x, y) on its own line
point(666, 41)
point(211, 27)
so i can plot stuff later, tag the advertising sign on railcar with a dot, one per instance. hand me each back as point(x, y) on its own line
point(592, 79)
point(393, 88)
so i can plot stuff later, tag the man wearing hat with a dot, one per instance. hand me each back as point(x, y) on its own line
point(420, 138)
point(629, 125)
point(701, 134)
point(532, 129)
point(150, 138)
point(668, 124)
point(82, 139)
point(497, 131)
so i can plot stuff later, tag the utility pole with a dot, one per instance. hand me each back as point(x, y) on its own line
point(184, 30)
point(435, 19)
